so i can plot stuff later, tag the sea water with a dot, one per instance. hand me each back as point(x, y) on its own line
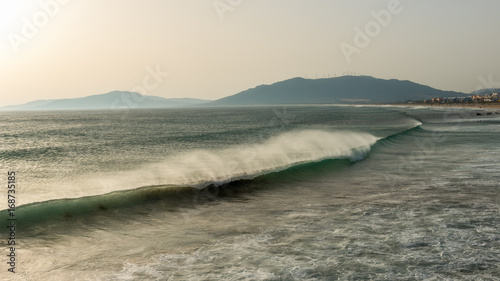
point(253, 193)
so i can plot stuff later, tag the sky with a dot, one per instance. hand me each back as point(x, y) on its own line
point(209, 49)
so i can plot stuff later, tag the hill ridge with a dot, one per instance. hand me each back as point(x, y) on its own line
point(109, 100)
point(343, 90)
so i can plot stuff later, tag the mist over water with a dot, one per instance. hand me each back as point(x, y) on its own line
point(283, 193)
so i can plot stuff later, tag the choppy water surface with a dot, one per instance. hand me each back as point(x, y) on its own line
point(266, 193)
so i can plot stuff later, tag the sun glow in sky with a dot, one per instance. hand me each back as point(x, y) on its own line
point(214, 48)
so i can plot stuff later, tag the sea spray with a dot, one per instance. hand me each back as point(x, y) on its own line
point(200, 167)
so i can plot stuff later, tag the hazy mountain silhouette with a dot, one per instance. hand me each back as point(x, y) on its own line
point(339, 90)
point(486, 91)
point(111, 100)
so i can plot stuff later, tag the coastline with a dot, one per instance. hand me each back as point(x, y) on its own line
point(480, 106)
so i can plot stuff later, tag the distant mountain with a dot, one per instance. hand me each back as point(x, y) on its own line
point(338, 90)
point(485, 91)
point(111, 100)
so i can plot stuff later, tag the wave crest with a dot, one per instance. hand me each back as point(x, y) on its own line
point(198, 168)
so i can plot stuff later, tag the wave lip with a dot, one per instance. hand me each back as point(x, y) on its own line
point(201, 168)
point(276, 154)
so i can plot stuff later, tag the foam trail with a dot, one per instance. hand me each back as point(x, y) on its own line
point(201, 167)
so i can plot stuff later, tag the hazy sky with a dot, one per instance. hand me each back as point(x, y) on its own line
point(210, 49)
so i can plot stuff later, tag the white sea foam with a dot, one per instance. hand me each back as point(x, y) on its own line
point(197, 168)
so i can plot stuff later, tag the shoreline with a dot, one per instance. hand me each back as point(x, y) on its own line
point(480, 106)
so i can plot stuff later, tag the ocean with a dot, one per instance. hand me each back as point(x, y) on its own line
point(251, 193)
